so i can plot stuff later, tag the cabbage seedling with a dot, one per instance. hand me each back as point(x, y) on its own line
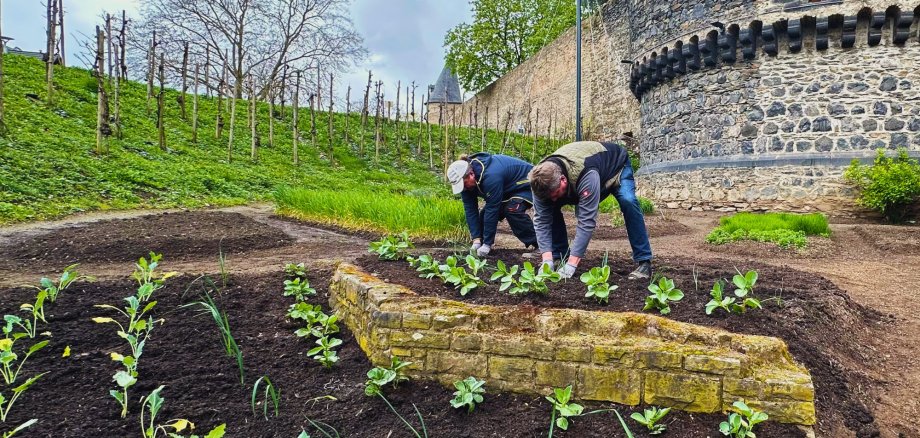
point(392, 247)
point(298, 288)
point(153, 403)
point(745, 291)
point(650, 418)
point(533, 281)
point(469, 393)
point(8, 366)
point(662, 293)
point(505, 274)
point(596, 280)
point(147, 279)
point(741, 424)
point(6, 405)
point(38, 314)
point(426, 265)
point(324, 353)
point(719, 301)
point(69, 276)
point(560, 400)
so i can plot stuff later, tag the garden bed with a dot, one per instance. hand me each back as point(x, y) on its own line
point(815, 316)
point(202, 384)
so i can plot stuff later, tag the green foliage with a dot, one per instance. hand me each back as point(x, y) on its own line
point(298, 270)
point(626, 430)
point(891, 185)
point(527, 282)
point(744, 292)
point(610, 205)
point(428, 217)
point(7, 404)
point(456, 275)
point(503, 34)
point(393, 247)
point(152, 403)
point(324, 353)
point(231, 348)
point(650, 418)
point(596, 281)
point(52, 289)
point(426, 265)
point(469, 393)
point(320, 326)
point(662, 293)
point(561, 404)
point(8, 367)
point(19, 428)
point(785, 229)
point(741, 424)
point(298, 288)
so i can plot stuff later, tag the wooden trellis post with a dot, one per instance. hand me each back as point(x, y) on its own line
point(232, 122)
point(253, 119)
point(331, 141)
point(184, 79)
point(52, 6)
point(378, 105)
point(102, 114)
point(364, 113)
point(219, 107)
point(195, 105)
point(295, 122)
point(347, 112)
point(151, 69)
point(161, 107)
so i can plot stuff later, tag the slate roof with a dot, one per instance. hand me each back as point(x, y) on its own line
point(447, 89)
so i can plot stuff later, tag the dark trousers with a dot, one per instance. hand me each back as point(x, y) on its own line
point(625, 195)
point(515, 211)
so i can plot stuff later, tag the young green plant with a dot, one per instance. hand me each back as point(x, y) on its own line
point(392, 247)
point(53, 289)
point(8, 367)
point(7, 404)
point(152, 404)
point(231, 348)
point(662, 293)
point(20, 428)
point(469, 393)
point(596, 281)
point(650, 418)
point(529, 280)
point(324, 352)
point(741, 424)
point(298, 270)
point(458, 276)
point(378, 378)
point(298, 288)
point(271, 393)
point(561, 400)
point(426, 266)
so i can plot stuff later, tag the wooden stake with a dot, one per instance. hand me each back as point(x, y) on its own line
point(102, 116)
point(295, 122)
point(207, 72)
point(51, 47)
point(364, 113)
point(60, 10)
point(3, 130)
point(161, 106)
point(232, 122)
point(313, 110)
point(377, 124)
point(253, 119)
point(331, 143)
point(184, 74)
point(110, 46)
point(271, 116)
point(347, 112)
point(219, 108)
point(195, 105)
point(122, 42)
point(151, 69)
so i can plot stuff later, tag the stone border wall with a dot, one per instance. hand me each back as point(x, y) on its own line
point(627, 358)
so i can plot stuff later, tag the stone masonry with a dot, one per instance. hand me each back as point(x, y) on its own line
point(626, 358)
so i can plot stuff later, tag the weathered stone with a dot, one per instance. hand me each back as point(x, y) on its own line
point(725, 366)
point(556, 374)
point(776, 109)
point(889, 83)
point(756, 114)
point(387, 319)
point(770, 128)
point(516, 346)
point(615, 354)
point(869, 125)
point(821, 124)
point(894, 124)
point(747, 147)
point(466, 342)
point(748, 130)
point(857, 87)
point(419, 339)
point(836, 109)
point(802, 146)
point(879, 109)
point(577, 353)
point(899, 140)
point(659, 360)
point(416, 321)
point(782, 411)
point(896, 108)
point(858, 109)
point(804, 125)
point(610, 384)
point(824, 144)
point(792, 389)
point(511, 368)
point(814, 87)
point(905, 85)
point(914, 125)
point(835, 88)
point(442, 322)
point(463, 364)
point(795, 110)
point(788, 126)
point(696, 393)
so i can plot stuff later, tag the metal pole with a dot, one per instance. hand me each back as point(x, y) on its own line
point(578, 70)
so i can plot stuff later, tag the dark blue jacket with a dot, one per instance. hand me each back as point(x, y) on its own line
point(499, 178)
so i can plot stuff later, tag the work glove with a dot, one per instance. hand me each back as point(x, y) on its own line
point(483, 250)
point(475, 246)
point(546, 263)
point(567, 271)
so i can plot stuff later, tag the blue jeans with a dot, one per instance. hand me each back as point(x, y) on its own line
point(625, 195)
point(515, 212)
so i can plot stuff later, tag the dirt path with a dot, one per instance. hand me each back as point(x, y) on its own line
point(877, 265)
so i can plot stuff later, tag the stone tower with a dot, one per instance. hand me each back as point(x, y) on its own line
point(445, 101)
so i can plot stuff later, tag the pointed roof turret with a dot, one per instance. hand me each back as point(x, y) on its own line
point(447, 89)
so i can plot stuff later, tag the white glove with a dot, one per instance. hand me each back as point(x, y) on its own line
point(475, 246)
point(546, 263)
point(567, 271)
point(483, 250)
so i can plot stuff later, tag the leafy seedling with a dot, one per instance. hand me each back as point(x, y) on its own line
point(392, 247)
point(459, 277)
point(469, 393)
point(298, 270)
point(719, 301)
point(172, 428)
point(6, 405)
point(650, 418)
point(744, 290)
point(377, 379)
point(741, 424)
point(662, 293)
point(20, 428)
point(69, 276)
point(8, 367)
point(426, 266)
point(596, 281)
point(505, 274)
point(324, 352)
point(298, 288)
point(561, 405)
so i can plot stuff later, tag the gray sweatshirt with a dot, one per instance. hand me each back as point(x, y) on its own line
point(589, 197)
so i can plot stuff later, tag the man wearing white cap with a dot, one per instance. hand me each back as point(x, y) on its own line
point(502, 182)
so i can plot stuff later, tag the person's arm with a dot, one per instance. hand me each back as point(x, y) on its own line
point(543, 226)
point(471, 208)
point(490, 211)
point(589, 196)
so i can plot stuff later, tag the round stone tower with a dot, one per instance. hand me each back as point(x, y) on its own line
point(757, 104)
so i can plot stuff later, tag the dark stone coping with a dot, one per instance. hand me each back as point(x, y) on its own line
point(766, 160)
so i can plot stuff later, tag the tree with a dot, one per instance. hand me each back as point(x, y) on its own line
point(504, 33)
point(268, 34)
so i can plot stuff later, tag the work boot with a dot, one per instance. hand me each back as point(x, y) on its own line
point(643, 271)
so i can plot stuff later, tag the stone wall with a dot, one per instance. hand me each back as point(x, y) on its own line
point(627, 358)
point(546, 83)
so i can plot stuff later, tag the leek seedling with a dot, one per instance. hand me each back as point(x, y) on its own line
point(270, 394)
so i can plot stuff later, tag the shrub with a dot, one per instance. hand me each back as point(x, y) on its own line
point(784, 229)
point(891, 185)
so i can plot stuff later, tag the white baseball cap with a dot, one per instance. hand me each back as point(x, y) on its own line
point(455, 174)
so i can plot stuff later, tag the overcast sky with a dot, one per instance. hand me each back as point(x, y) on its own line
point(404, 37)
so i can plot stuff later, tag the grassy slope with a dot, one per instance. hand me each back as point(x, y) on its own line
point(48, 168)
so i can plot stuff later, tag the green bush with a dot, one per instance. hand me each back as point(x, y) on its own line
point(784, 229)
point(891, 185)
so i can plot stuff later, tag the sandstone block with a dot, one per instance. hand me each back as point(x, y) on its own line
point(610, 384)
point(419, 339)
point(693, 393)
point(725, 366)
point(511, 369)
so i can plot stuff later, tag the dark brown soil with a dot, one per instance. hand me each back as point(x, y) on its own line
point(180, 235)
point(810, 313)
point(202, 384)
